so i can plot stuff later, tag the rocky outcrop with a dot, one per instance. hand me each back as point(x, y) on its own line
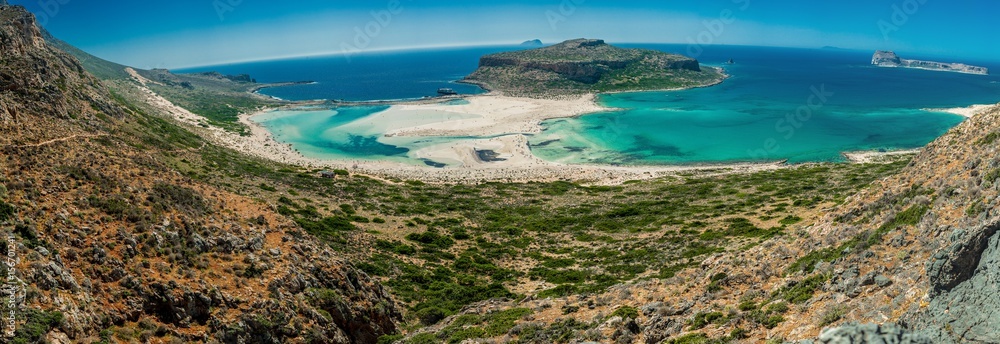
point(36, 78)
point(965, 306)
point(871, 333)
point(587, 66)
point(890, 59)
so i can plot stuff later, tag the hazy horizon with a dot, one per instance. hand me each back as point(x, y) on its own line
point(189, 33)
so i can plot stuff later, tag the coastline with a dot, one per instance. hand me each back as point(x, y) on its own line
point(869, 157)
point(508, 117)
point(968, 111)
point(504, 121)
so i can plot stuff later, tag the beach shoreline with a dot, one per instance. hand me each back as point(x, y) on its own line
point(505, 121)
point(500, 114)
point(967, 112)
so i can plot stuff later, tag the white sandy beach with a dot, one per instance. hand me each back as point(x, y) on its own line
point(969, 111)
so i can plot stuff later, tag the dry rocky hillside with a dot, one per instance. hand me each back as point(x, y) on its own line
point(111, 244)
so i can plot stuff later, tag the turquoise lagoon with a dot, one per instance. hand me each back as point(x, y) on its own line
point(800, 105)
point(348, 133)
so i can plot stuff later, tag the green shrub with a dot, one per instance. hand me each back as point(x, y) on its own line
point(37, 324)
point(802, 291)
point(790, 220)
point(701, 320)
point(168, 196)
point(6, 211)
point(832, 315)
point(390, 338)
point(500, 323)
point(625, 312)
point(691, 338)
point(431, 315)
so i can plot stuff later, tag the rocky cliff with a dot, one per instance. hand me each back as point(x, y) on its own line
point(890, 59)
point(588, 66)
point(110, 243)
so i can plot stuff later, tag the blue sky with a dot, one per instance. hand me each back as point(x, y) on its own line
point(184, 33)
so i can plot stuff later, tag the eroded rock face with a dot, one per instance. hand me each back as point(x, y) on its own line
point(871, 333)
point(966, 307)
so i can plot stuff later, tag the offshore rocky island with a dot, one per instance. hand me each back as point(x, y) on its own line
point(884, 58)
point(586, 66)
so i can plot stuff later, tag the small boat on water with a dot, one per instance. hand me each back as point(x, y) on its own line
point(446, 92)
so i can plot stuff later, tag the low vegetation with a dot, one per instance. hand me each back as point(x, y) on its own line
point(442, 247)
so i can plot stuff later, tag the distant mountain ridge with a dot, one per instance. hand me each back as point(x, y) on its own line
point(583, 66)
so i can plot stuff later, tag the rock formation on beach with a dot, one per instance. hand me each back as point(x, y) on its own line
point(884, 58)
point(583, 66)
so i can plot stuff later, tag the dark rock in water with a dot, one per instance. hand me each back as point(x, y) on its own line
point(446, 92)
point(488, 156)
point(545, 143)
point(433, 163)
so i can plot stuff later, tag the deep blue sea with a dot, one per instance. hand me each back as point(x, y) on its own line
point(366, 76)
point(798, 104)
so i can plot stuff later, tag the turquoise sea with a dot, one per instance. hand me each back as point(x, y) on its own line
point(802, 105)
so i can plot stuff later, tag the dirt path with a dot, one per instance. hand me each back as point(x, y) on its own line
point(67, 138)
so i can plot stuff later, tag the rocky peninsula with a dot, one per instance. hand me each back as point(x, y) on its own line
point(884, 58)
point(586, 66)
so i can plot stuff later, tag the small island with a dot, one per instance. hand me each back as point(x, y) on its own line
point(532, 43)
point(884, 58)
point(586, 66)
